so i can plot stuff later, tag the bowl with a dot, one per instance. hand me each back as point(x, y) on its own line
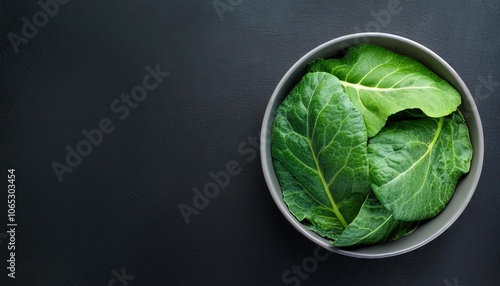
point(427, 231)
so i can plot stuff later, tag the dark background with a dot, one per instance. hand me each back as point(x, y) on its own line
point(120, 207)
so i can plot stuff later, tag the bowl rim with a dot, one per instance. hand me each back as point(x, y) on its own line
point(268, 169)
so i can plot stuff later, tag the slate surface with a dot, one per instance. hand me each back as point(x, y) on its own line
point(115, 219)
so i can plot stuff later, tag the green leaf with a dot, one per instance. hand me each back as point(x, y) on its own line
point(315, 216)
point(374, 224)
point(380, 83)
point(415, 165)
point(320, 138)
point(403, 229)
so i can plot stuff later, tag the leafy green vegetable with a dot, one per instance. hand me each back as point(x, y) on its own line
point(380, 83)
point(320, 138)
point(373, 224)
point(305, 208)
point(418, 149)
point(415, 165)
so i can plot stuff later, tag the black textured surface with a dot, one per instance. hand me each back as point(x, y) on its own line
point(119, 207)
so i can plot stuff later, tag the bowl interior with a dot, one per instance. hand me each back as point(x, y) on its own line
point(426, 231)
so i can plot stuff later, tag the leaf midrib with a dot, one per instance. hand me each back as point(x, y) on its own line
point(335, 209)
point(358, 86)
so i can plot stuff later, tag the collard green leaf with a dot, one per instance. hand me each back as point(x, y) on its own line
point(380, 83)
point(320, 138)
point(314, 215)
point(415, 165)
point(403, 229)
point(323, 164)
point(374, 224)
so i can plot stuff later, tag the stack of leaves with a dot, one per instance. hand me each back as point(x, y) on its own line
point(368, 145)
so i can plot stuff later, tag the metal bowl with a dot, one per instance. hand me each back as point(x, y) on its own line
point(428, 230)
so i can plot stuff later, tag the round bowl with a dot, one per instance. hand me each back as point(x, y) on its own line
point(428, 230)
